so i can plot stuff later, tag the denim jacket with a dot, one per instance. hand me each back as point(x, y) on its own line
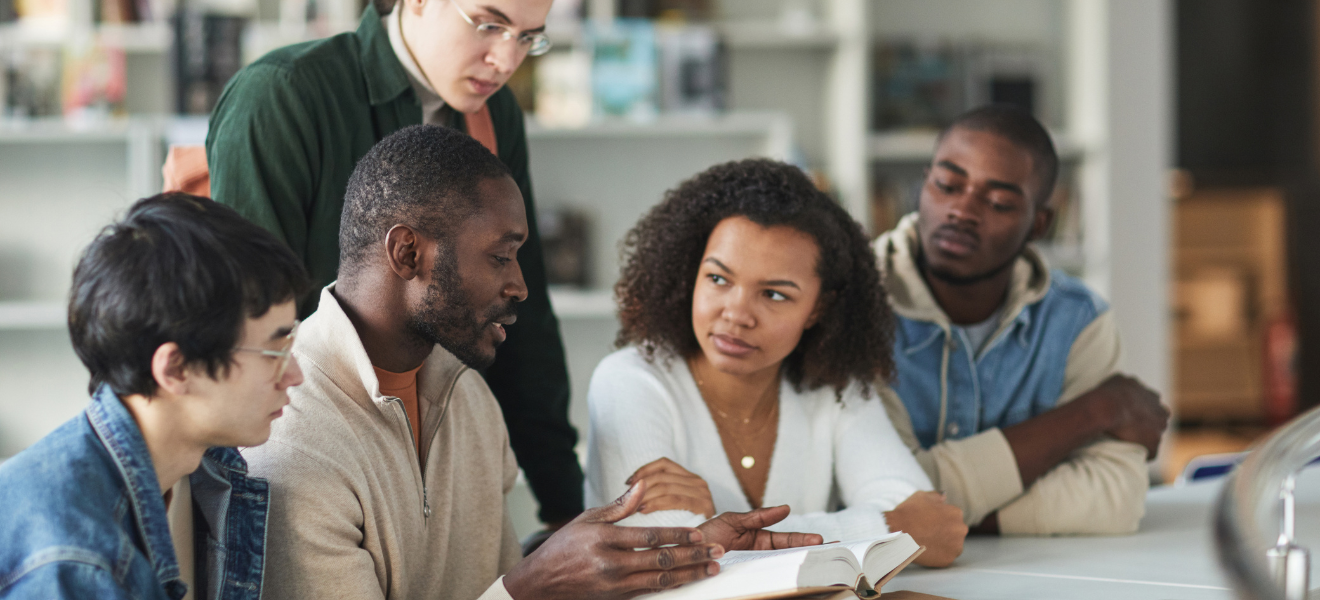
point(84, 517)
point(1055, 340)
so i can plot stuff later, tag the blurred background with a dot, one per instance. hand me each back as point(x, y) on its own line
point(1188, 131)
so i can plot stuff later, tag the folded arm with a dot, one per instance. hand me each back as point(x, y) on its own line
point(1077, 478)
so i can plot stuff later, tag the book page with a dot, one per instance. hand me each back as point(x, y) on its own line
point(734, 557)
point(883, 557)
point(771, 571)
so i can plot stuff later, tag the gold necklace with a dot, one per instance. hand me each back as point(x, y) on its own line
point(748, 461)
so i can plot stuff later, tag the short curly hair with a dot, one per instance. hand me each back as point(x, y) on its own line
point(422, 176)
point(852, 341)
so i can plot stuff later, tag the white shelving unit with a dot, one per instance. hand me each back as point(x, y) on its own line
point(801, 89)
point(35, 315)
point(919, 146)
point(133, 38)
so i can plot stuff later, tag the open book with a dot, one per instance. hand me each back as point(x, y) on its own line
point(860, 567)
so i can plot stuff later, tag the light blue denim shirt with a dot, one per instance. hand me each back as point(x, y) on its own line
point(82, 516)
point(1017, 375)
point(952, 389)
point(1055, 340)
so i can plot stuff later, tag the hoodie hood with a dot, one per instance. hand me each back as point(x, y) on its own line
point(896, 254)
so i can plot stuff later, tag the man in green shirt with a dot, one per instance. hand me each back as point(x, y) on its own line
point(289, 129)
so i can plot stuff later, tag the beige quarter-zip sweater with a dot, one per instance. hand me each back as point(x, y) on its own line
point(1099, 489)
point(354, 513)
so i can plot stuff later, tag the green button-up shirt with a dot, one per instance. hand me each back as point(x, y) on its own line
point(283, 141)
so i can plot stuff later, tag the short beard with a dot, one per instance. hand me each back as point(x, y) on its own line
point(446, 318)
point(965, 280)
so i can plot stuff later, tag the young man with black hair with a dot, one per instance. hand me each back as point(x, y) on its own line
point(388, 475)
point(1007, 386)
point(184, 313)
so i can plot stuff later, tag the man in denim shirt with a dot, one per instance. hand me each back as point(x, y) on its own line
point(1007, 386)
point(184, 314)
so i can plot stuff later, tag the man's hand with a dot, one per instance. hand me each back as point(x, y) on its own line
point(933, 523)
point(671, 487)
point(590, 557)
point(745, 531)
point(1138, 415)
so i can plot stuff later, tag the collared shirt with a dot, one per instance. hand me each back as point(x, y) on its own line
point(88, 519)
point(432, 103)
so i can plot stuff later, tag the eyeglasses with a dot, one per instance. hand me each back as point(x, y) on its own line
point(534, 44)
point(283, 354)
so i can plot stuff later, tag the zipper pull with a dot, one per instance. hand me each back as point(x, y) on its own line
point(426, 503)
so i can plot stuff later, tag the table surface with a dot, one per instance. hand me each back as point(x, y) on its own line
point(1171, 557)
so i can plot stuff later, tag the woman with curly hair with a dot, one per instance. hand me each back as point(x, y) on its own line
point(755, 339)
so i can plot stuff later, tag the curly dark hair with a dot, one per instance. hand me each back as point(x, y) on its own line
point(853, 339)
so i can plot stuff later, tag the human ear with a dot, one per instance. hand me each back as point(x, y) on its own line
point(413, 6)
point(1041, 221)
point(403, 251)
point(823, 304)
point(167, 368)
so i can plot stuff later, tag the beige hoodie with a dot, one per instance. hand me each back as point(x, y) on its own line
point(1099, 489)
point(353, 513)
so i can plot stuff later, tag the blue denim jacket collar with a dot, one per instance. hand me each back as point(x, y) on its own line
point(911, 298)
point(115, 426)
point(235, 508)
point(952, 390)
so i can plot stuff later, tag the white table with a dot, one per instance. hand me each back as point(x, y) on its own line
point(1173, 556)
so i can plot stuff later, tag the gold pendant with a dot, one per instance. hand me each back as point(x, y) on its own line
point(748, 462)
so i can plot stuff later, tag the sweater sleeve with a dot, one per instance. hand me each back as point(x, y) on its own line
point(978, 474)
point(314, 529)
point(874, 472)
point(632, 424)
point(1101, 488)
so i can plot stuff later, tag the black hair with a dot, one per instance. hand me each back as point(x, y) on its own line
point(176, 268)
point(1021, 129)
point(423, 176)
point(853, 338)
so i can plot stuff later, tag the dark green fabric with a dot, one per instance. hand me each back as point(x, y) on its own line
point(283, 141)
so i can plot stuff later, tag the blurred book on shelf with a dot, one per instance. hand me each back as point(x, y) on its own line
point(927, 84)
point(692, 69)
point(564, 236)
point(626, 68)
point(563, 89)
point(125, 11)
point(894, 193)
point(42, 10)
point(916, 85)
point(209, 51)
point(671, 10)
point(623, 68)
point(95, 82)
point(32, 77)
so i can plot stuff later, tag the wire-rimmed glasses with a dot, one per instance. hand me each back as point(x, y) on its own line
point(283, 354)
point(535, 44)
